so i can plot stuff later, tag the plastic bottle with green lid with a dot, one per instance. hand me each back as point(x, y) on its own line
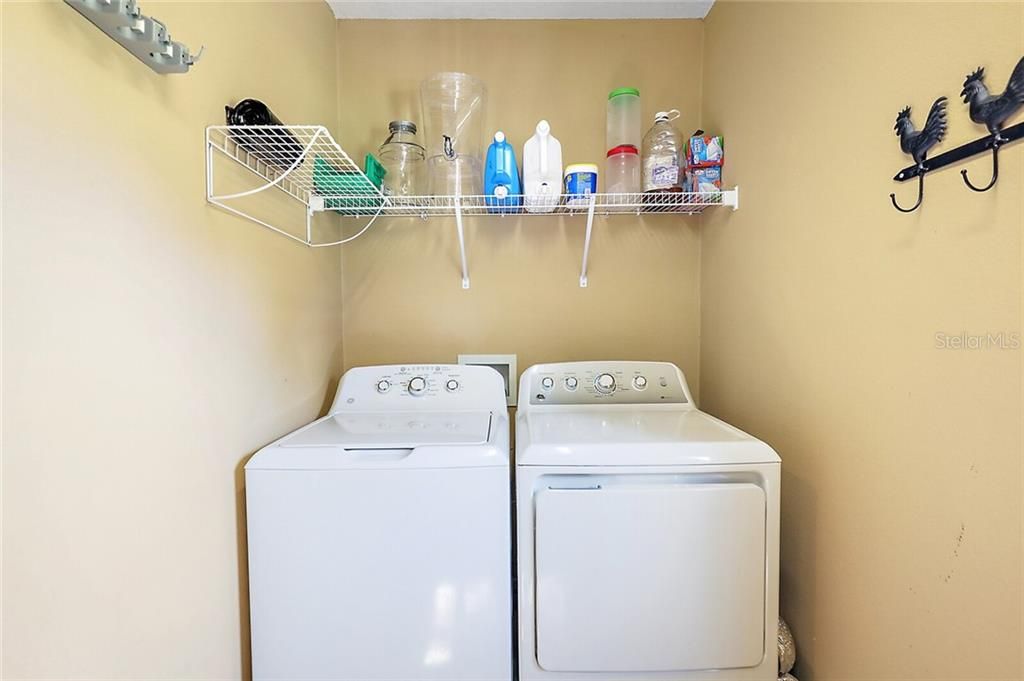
point(623, 118)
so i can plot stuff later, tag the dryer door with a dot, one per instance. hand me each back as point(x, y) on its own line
point(650, 577)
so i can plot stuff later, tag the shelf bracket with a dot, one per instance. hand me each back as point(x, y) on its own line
point(309, 225)
point(731, 197)
point(586, 241)
point(462, 242)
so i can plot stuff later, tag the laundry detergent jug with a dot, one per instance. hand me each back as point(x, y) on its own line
point(542, 170)
point(501, 177)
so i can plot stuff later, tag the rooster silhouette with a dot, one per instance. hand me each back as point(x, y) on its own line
point(918, 142)
point(994, 110)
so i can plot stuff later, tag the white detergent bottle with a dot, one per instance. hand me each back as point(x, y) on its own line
point(542, 171)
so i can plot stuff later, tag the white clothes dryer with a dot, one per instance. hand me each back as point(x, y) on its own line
point(648, 531)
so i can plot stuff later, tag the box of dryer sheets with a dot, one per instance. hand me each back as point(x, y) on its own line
point(705, 150)
point(708, 179)
point(705, 156)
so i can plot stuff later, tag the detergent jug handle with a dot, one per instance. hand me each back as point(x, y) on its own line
point(543, 130)
point(499, 160)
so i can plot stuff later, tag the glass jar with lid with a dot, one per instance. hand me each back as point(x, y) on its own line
point(403, 159)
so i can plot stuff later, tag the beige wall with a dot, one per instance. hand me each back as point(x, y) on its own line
point(150, 341)
point(403, 300)
point(820, 305)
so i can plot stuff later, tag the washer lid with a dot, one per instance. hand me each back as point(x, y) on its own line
point(633, 437)
point(394, 430)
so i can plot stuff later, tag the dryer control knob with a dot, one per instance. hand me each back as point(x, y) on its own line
point(383, 385)
point(571, 383)
point(547, 383)
point(605, 383)
point(452, 385)
point(417, 385)
point(639, 382)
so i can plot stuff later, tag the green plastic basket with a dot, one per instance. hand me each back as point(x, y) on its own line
point(348, 192)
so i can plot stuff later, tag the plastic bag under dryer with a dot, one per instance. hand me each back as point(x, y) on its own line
point(787, 649)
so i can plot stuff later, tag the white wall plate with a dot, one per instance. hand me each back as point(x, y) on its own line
point(504, 365)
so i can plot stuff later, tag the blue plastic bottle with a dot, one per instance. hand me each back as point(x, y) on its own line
point(501, 177)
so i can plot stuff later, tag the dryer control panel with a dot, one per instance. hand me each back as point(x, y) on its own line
point(612, 382)
point(415, 387)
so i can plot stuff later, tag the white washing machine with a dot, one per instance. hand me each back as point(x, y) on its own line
point(648, 531)
point(379, 536)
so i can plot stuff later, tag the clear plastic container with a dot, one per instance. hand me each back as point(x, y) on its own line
point(454, 106)
point(622, 170)
point(403, 159)
point(624, 118)
point(663, 154)
point(459, 176)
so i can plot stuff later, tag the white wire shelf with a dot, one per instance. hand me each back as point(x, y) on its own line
point(306, 164)
point(685, 203)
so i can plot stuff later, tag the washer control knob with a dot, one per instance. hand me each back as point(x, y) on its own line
point(639, 382)
point(417, 385)
point(571, 383)
point(605, 383)
point(547, 383)
point(452, 385)
point(383, 385)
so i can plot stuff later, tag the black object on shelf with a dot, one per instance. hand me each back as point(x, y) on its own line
point(277, 147)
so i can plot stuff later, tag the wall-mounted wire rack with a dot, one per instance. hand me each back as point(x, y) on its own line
point(305, 163)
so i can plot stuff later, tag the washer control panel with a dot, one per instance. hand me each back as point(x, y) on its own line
point(605, 383)
point(421, 381)
point(420, 386)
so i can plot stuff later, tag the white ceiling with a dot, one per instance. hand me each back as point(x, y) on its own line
point(521, 9)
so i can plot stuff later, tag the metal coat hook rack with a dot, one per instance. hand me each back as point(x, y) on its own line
point(962, 153)
point(145, 37)
point(992, 111)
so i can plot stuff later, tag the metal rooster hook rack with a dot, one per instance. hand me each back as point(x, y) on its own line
point(989, 110)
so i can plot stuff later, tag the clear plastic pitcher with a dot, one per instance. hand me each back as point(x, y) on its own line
point(454, 106)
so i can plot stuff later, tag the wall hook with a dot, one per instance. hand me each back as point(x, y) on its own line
point(992, 111)
point(918, 142)
point(920, 196)
point(996, 141)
